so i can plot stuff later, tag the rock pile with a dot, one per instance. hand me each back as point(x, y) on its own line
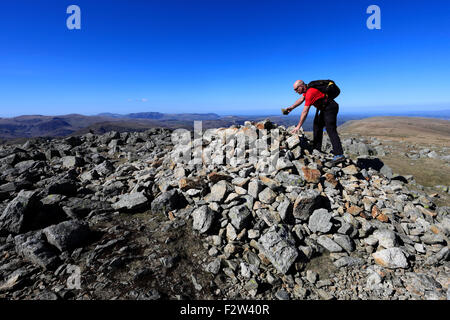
point(277, 223)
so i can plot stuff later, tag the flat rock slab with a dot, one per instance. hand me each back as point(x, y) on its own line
point(132, 201)
point(329, 244)
point(278, 245)
point(348, 262)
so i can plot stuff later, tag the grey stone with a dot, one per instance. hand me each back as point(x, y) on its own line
point(269, 216)
point(348, 262)
point(320, 221)
point(285, 210)
point(391, 258)
point(72, 162)
point(68, 235)
point(168, 201)
point(431, 238)
point(79, 208)
point(305, 204)
point(33, 247)
point(386, 238)
point(312, 276)
point(345, 228)
point(423, 283)
point(440, 256)
point(278, 245)
point(219, 191)
point(329, 244)
point(289, 180)
point(267, 196)
point(105, 168)
point(18, 212)
point(251, 285)
point(387, 171)
point(203, 218)
point(373, 281)
point(282, 295)
point(240, 216)
point(255, 187)
point(131, 202)
point(293, 141)
point(345, 242)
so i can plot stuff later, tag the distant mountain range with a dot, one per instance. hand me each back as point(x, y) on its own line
point(31, 126)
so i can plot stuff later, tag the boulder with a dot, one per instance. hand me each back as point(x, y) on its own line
point(33, 248)
point(68, 235)
point(18, 213)
point(70, 162)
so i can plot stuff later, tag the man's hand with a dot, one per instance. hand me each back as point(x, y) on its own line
point(287, 110)
point(296, 129)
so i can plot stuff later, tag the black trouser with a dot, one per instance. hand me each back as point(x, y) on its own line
point(327, 117)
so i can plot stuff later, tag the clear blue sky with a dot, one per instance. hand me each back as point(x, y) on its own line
point(222, 56)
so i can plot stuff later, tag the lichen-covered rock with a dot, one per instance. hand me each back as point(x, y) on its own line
point(320, 221)
point(278, 245)
point(240, 216)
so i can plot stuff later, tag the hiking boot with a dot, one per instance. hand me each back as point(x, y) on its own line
point(337, 159)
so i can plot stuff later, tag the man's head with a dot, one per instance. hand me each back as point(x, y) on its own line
point(299, 86)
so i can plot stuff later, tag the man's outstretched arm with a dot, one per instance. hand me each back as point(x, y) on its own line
point(296, 104)
point(302, 118)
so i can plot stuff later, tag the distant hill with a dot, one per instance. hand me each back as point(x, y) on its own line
point(413, 129)
point(31, 126)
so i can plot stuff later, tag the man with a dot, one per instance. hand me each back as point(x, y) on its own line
point(326, 116)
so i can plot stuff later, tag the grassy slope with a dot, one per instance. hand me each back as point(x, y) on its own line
point(410, 129)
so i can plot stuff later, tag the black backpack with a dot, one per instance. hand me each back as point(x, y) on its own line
point(327, 87)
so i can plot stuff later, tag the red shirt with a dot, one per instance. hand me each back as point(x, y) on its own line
point(312, 96)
